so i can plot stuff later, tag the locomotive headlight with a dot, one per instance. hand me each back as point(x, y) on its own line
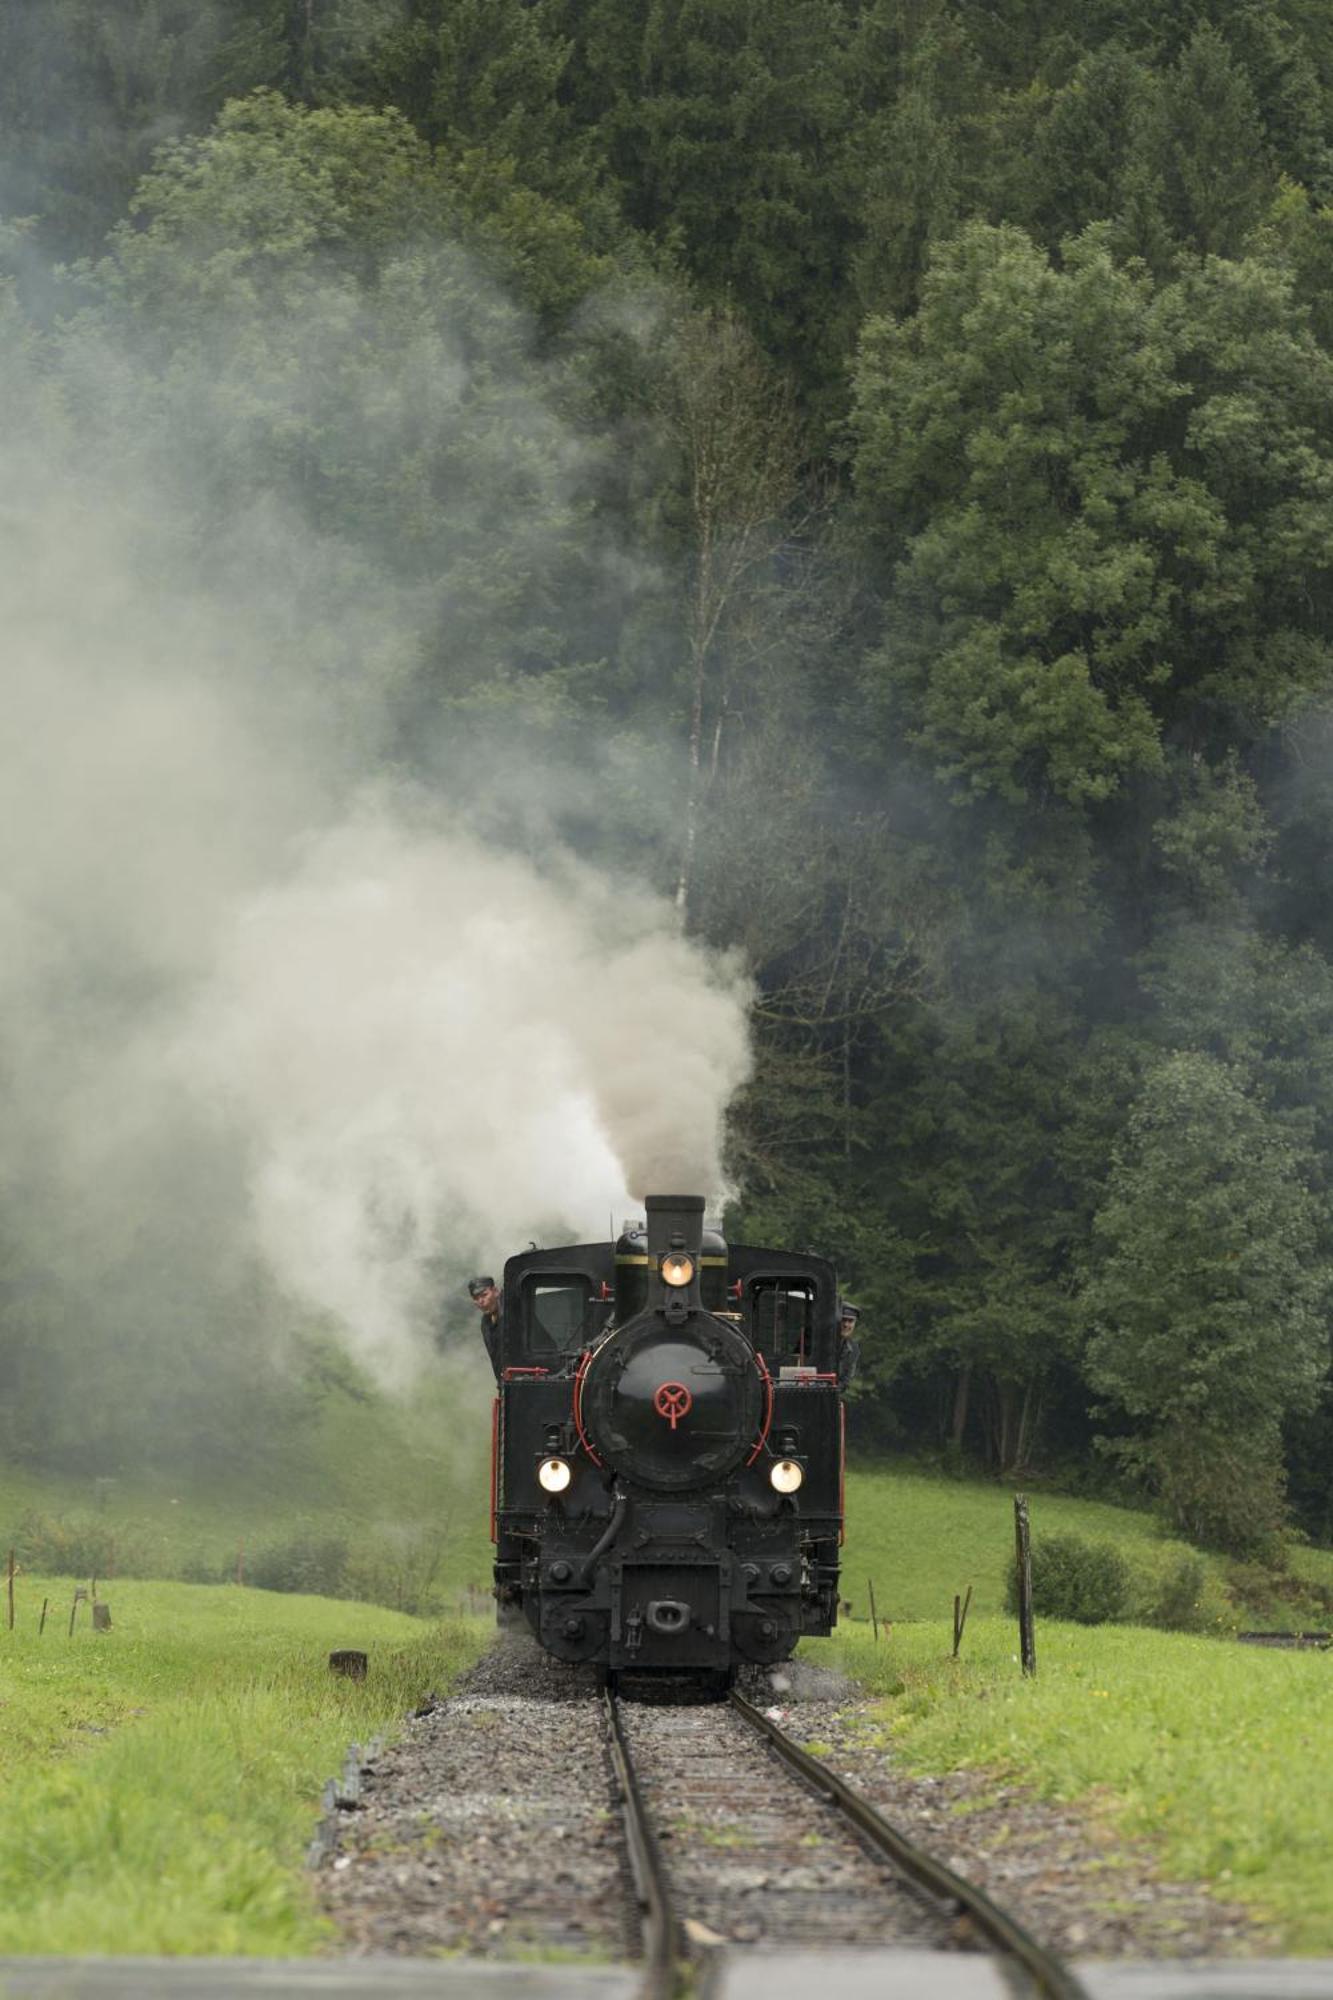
point(787, 1476)
point(554, 1475)
point(677, 1268)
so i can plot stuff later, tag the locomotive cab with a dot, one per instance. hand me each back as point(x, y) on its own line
point(668, 1458)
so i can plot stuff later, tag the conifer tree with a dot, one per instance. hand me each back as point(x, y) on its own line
point(1216, 163)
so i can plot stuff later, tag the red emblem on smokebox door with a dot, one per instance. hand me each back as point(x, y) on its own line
point(673, 1401)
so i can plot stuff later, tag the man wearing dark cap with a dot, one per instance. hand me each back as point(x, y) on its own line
point(849, 1347)
point(487, 1297)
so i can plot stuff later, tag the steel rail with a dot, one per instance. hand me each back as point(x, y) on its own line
point(1049, 1975)
point(652, 1884)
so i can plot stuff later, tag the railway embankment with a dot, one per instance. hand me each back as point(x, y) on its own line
point(1197, 1773)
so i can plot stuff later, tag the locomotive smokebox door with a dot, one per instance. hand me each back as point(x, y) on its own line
point(674, 1409)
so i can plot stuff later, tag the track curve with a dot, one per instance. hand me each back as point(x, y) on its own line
point(1050, 1975)
point(720, 1857)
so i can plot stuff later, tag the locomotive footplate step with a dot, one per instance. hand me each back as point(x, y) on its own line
point(291, 1978)
point(934, 1975)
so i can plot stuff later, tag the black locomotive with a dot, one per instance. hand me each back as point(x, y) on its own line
point(668, 1451)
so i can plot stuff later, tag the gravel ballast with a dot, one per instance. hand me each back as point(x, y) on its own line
point(489, 1828)
point(1070, 1878)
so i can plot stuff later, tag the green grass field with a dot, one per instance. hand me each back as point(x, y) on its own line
point(414, 1517)
point(921, 1539)
point(1221, 1756)
point(161, 1780)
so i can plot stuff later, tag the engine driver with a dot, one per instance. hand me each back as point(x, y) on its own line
point(849, 1347)
point(487, 1297)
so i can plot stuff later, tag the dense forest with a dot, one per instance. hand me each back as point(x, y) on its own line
point(891, 499)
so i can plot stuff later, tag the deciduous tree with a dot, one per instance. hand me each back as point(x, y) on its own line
point(1204, 1300)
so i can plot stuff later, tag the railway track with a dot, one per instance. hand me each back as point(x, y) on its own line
point(711, 1839)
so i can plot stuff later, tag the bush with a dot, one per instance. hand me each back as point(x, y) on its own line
point(1179, 1601)
point(308, 1561)
point(54, 1545)
point(399, 1567)
point(391, 1565)
point(1176, 1589)
point(200, 1568)
point(1087, 1582)
point(1275, 1597)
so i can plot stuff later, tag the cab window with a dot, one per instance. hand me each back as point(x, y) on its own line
point(782, 1320)
point(556, 1318)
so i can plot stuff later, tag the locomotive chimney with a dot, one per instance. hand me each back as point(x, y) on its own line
point(675, 1243)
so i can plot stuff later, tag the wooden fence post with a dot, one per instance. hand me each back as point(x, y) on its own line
point(11, 1590)
point(1023, 1550)
point(874, 1617)
point(960, 1610)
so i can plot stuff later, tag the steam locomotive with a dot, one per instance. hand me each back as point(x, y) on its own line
point(667, 1458)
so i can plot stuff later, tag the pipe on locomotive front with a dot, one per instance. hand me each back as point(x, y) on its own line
point(605, 1540)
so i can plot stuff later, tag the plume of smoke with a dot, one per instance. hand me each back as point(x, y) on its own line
point(254, 1000)
point(436, 1049)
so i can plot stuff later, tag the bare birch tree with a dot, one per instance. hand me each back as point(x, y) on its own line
point(732, 420)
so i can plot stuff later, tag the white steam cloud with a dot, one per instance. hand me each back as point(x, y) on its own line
point(434, 1049)
point(253, 999)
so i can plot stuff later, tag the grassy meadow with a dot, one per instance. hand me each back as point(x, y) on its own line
point(161, 1780)
point(1219, 1755)
point(158, 1782)
point(919, 1539)
point(376, 1501)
